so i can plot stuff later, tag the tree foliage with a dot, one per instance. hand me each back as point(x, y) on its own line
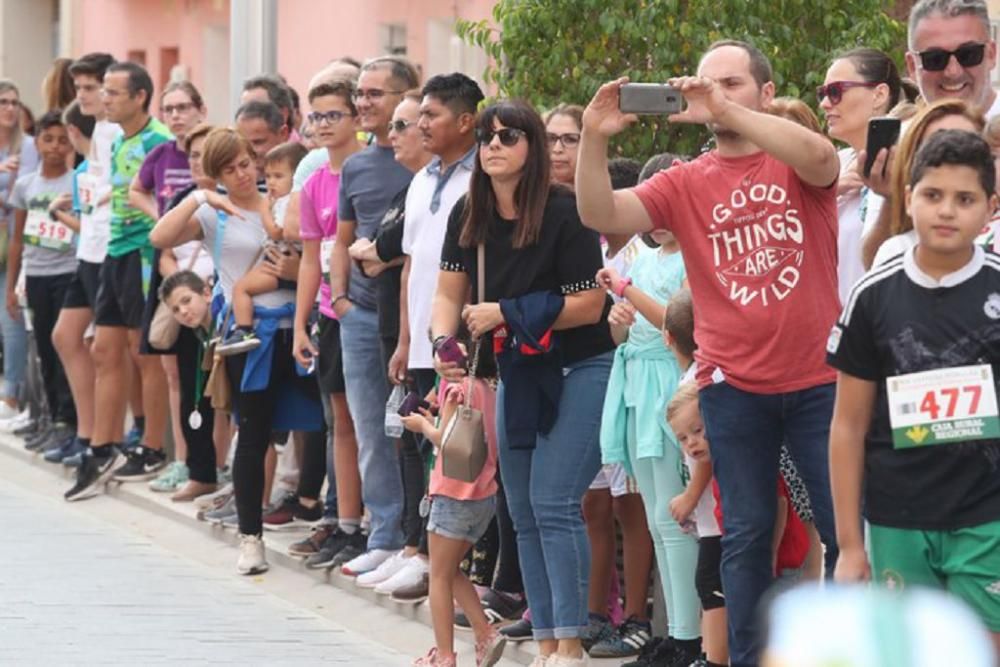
point(551, 51)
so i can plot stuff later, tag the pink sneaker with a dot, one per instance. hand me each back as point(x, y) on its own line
point(490, 650)
point(432, 659)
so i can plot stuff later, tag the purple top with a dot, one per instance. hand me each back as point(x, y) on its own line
point(165, 172)
point(318, 222)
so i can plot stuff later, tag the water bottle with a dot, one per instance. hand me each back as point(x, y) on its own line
point(393, 422)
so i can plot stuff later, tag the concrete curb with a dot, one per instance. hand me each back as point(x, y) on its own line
point(276, 544)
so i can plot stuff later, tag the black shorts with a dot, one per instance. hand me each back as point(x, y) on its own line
point(330, 364)
point(708, 575)
point(82, 290)
point(120, 300)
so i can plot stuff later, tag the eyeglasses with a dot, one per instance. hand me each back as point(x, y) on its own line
point(9, 104)
point(568, 140)
point(967, 55)
point(373, 94)
point(183, 107)
point(509, 136)
point(835, 89)
point(399, 126)
point(331, 117)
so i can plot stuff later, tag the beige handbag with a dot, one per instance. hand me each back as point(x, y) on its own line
point(464, 447)
point(164, 328)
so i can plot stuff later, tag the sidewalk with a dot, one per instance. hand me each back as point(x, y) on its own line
point(379, 616)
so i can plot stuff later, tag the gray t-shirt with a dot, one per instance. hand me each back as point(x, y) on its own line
point(49, 248)
point(241, 239)
point(369, 180)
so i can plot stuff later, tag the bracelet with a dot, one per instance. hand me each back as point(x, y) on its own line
point(200, 197)
point(334, 300)
point(619, 289)
point(436, 343)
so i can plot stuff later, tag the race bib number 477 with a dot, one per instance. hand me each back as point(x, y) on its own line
point(943, 406)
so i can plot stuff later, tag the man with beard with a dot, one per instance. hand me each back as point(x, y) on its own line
point(756, 219)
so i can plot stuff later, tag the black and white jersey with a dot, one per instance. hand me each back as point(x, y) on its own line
point(897, 321)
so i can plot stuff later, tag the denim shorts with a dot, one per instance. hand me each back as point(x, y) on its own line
point(461, 519)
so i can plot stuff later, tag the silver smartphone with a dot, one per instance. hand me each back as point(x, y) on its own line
point(649, 98)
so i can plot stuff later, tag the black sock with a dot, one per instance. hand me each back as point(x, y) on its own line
point(709, 663)
point(692, 646)
point(84, 441)
point(101, 451)
point(140, 423)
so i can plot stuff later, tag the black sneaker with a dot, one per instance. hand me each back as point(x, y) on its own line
point(239, 341)
point(683, 657)
point(656, 651)
point(357, 544)
point(143, 463)
point(331, 547)
point(518, 632)
point(31, 428)
point(93, 472)
point(627, 641)
point(36, 440)
point(498, 607)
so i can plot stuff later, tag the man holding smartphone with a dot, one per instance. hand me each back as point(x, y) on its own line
point(757, 223)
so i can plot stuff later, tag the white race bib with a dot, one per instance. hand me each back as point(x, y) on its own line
point(325, 254)
point(943, 406)
point(41, 231)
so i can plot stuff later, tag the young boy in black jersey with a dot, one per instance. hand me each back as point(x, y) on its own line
point(915, 423)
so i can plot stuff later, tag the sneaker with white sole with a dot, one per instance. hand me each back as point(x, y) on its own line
point(366, 562)
point(556, 660)
point(171, 479)
point(214, 501)
point(386, 570)
point(413, 571)
point(251, 560)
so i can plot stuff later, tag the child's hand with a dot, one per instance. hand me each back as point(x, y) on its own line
point(608, 277)
point(682, 506)
point(622, 315)
point(415, 423)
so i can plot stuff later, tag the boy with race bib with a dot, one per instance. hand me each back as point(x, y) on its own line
point(916, 423)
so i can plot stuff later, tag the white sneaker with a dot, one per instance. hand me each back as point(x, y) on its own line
point(556, 660)
point(366, 562)
point(539, 661)
point(384, 571)
point(17, 421)
point(410, 575)
point(7, 411)
point(251, 560)
point(214, 500)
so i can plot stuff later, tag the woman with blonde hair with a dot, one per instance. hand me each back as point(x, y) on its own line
point(949, 114)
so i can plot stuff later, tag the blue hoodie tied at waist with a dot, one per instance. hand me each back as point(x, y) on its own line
point(643, 379)
point(257, 372)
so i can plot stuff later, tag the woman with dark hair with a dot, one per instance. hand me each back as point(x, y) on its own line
point(563, 125)
point(539, 268)
point(860, 84)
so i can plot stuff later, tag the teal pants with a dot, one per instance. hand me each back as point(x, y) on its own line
point(659, 481)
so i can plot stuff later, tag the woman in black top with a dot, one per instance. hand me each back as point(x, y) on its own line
point(539, 266)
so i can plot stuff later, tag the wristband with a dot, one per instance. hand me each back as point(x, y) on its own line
point(619, 289)
point(436, 343)
point(200, 197)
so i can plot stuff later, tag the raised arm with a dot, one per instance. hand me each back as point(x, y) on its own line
point(178, 225)
point(809, 153)
point(600, 207)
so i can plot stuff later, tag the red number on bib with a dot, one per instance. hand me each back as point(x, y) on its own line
point(930, 405)
point(952, 395)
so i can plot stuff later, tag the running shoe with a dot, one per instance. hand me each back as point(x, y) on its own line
point(239, 341)
point(68, 447)
point(627, 641)
point(143, 463)
point(291, 513)
point(312, 544)
point(252, 559)
point(415, 593)
point(174, 477)
point(518, 631)
point(598, 629)
point(411, 574)
point(498, 607)
point(366, 562)
point(333, 546)
point(94, 471)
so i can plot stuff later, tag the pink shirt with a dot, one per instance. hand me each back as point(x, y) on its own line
point(484, 399)
point(760, 247)
point(318, 221)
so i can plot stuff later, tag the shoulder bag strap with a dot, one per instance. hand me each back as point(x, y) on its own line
point(480, 298)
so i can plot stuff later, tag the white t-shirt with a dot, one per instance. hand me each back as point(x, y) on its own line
point(894, 245)
point(704, 511)
point(849, 210)
point(95, 195)
point(423, 236)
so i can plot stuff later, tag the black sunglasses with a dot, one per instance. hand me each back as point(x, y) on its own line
point(508, 136)
point(835, 89)
point(967, 55)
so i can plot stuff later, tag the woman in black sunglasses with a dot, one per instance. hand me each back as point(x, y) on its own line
point(540, 263)
point(860, 84)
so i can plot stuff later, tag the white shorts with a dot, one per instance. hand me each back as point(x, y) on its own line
point(613, 476)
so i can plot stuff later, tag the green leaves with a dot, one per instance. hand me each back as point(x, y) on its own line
point(552, 51)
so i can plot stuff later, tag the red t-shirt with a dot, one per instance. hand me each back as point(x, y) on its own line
point(760, 248)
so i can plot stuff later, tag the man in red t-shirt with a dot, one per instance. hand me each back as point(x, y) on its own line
point(757, 224)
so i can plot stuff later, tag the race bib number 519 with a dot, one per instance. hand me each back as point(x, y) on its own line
point(943, 406)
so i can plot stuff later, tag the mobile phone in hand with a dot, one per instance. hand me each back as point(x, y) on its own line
point(413, 403)
point(451, 351)
point(883, 132)
point(649, 98)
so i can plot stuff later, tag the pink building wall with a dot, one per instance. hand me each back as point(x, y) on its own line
point(309, 34)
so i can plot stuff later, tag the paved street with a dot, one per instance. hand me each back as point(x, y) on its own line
point(75, 589)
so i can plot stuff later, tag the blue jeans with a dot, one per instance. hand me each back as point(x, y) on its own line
point(15, 349)
point(745, 433)
point(544, 488)
point(367, 391)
